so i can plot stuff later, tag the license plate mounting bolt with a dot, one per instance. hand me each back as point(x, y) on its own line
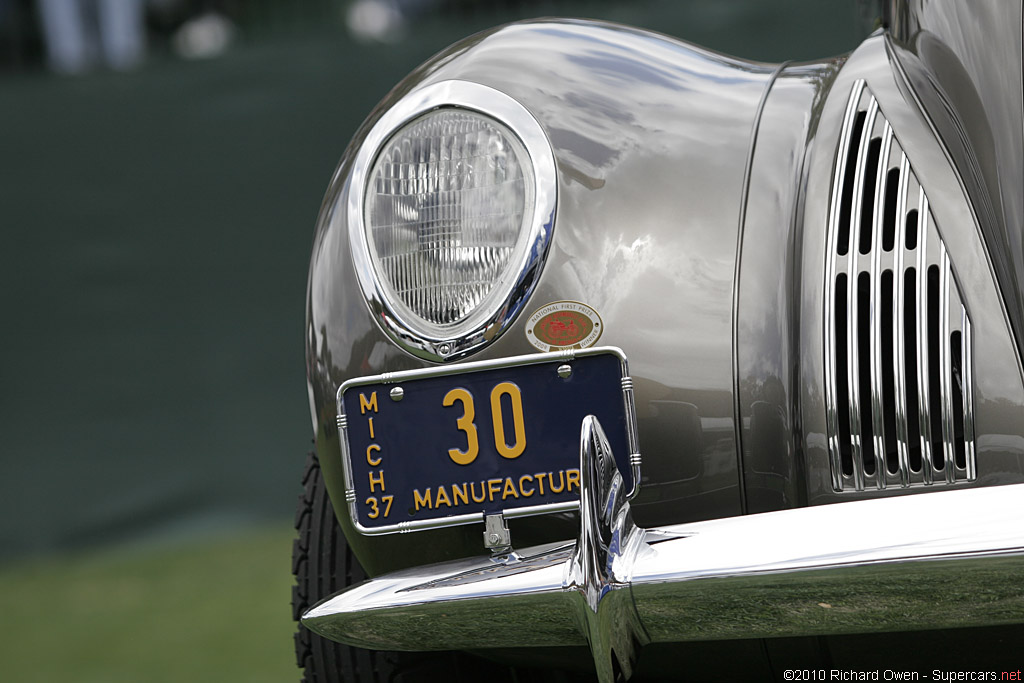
point(496, 536)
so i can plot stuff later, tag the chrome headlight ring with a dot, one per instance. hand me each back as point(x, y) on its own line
point(494, 313)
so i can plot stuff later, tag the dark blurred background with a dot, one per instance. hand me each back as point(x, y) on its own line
point(157, 222)
point(157, 201)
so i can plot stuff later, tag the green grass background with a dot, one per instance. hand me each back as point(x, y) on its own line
point(213, 610)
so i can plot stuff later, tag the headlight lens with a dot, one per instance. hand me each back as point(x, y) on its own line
point(446, 207)
point(450, 211)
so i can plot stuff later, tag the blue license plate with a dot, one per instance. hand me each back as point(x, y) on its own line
point(443, 446)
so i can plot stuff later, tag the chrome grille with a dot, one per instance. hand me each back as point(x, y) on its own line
point(897, 334)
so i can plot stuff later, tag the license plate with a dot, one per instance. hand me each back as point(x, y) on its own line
point(442, 446)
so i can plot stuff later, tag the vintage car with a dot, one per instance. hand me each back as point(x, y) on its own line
point(630, 359)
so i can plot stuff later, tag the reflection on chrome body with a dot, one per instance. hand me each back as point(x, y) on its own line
point(704, 258)
point(447, 343)
point(601, 562)
point(785, 573)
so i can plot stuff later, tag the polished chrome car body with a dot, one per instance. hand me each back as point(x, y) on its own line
point(620, 587)
point(815, 271)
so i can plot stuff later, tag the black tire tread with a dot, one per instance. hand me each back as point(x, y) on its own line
point(322, 564)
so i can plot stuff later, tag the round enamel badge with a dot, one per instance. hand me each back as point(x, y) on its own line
point(564, 325)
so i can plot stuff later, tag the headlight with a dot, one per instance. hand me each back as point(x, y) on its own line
point(446, 206)
point(450, 214)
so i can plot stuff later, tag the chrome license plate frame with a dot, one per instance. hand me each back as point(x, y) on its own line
point(381, 419)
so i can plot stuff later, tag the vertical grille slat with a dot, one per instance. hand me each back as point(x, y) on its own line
point(868, 204)
point(892, 185)
point(923, 347)
point(904, 433)
point(859, 305)
point(865, 373)
point(912, 372)
point(945, 370)
point(966, 345)
point(881, 416)
point(887, 370)
point(837, 413)
point(853, 379)
point(956, 382)
point(897, 334)
point(844, 449)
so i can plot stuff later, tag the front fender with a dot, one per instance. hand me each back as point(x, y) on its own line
point(652, 156)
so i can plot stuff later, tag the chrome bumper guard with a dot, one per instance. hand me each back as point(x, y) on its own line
point(915, 562)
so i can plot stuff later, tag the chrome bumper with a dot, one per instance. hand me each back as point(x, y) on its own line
point(943, 560)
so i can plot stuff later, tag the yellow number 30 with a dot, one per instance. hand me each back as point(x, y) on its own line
point(465, 423)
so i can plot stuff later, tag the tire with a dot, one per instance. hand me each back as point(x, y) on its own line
point(323, 563)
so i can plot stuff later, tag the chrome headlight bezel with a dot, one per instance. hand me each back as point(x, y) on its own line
point(500, 308)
